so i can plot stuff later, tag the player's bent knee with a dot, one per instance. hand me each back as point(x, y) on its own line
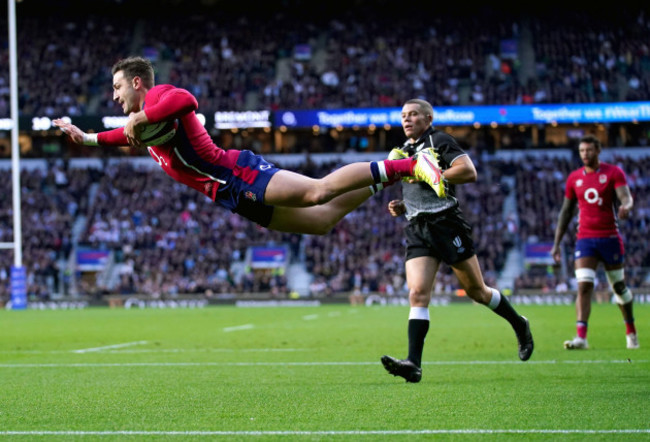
point(619, 287)
point(616, 279)
point(624, 296)
point(318, 197)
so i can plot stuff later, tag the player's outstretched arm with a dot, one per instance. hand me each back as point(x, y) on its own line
point(114, 137)
point(76, 134)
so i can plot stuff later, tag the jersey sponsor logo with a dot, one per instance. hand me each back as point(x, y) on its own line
point(592, 196)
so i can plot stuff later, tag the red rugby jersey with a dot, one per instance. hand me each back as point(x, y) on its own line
point(190, 157)
point(596, 194)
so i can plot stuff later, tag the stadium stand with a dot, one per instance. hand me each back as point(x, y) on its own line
point(52, 198)
point(286, 58)
point(166, 240)
point(173, 241)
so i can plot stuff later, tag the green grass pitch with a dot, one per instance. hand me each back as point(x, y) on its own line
point(313, 373)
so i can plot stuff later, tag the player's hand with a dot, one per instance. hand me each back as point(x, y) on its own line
point(555, 253)
point(623, 212)
point(132, 131)
point(75, 134)
point(396, 208)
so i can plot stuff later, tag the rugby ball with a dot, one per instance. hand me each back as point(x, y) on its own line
point(155, 134)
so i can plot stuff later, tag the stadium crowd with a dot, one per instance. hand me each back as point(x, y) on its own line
point(357, 56)
point(173, 241)
point(51, 200)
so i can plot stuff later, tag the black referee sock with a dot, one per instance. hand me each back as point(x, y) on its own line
point(501, 306)
point(417, 331)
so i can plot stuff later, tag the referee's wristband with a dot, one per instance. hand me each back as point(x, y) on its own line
point(90, 139)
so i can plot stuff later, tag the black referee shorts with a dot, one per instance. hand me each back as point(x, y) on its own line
point(445, 236)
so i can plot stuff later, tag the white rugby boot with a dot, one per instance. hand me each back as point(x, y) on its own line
point(576, 343)
point(632, 341)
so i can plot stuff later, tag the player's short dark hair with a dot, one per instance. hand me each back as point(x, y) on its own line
point(591, 139)
point(136, 67)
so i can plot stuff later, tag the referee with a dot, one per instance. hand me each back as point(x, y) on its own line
point(437, 232)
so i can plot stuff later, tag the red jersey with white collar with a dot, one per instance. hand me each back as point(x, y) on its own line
point(596, 193)
point(190, 157)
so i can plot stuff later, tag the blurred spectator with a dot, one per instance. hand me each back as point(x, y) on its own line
point(353, 56)
point(172, 241)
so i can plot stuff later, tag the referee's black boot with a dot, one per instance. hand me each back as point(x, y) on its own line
point(402, 367)
point(526, 344)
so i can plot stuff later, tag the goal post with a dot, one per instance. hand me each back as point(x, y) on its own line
point(18, 273)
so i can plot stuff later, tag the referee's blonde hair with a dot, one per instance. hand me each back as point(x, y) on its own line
point(425, 106)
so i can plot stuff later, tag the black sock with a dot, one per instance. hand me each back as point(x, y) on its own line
point(417, 331)
point(505, 310)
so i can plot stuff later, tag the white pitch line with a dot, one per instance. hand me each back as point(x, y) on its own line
point(295, 364)
point(238, 327)
point(551, 361)
point(209, 350)
point(324, 432)
point(165, 350)
point(109, 347)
